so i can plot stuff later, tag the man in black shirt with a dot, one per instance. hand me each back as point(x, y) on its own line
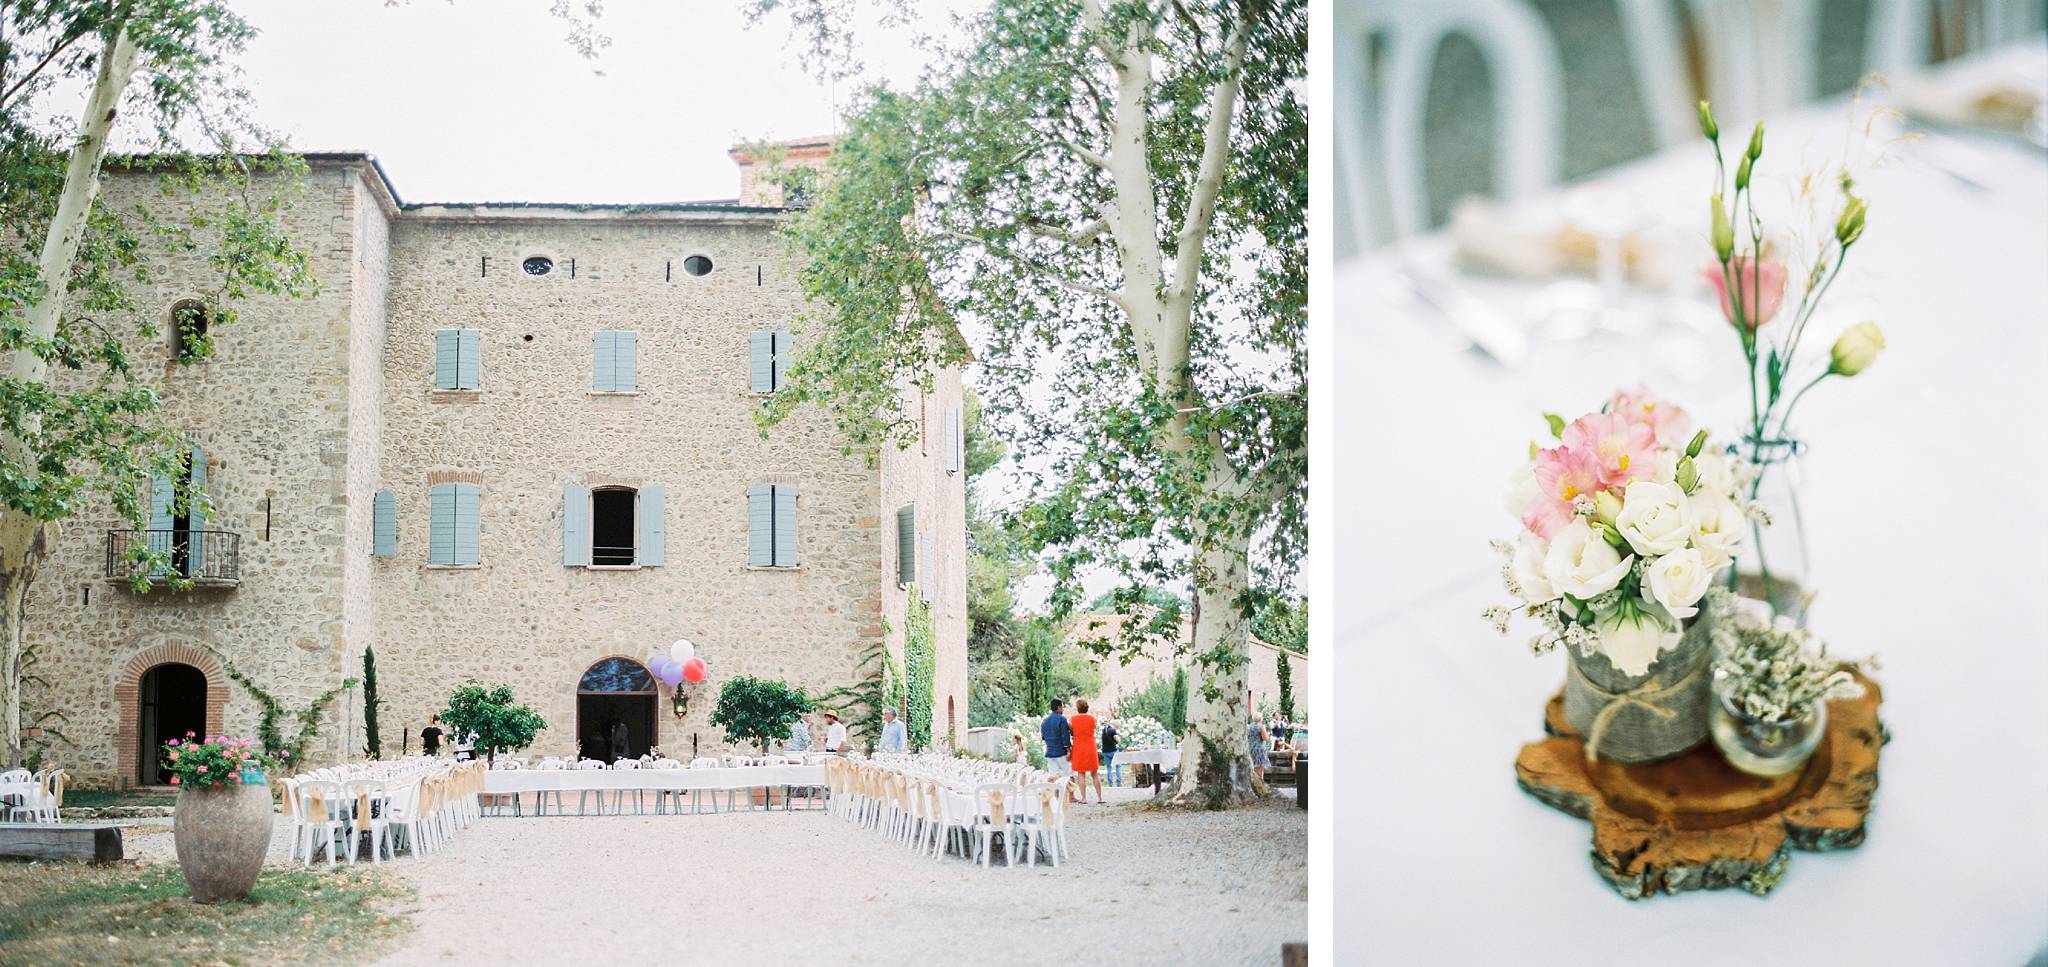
point(1109, 751)
point(430, 737)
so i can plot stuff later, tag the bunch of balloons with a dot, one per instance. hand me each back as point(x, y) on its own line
point(680, 664)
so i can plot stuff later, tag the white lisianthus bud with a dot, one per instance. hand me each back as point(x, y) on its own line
point(1855, 349)
point(1677, 581)
point(1716, 474)
point(1717, 528)
point(1527, 568)
point(1632, 639)
point(1522, 490)
point(1655, 518)
point(1582, 565)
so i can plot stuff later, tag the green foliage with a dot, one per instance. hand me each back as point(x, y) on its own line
point(878, 685)
point(1163, 699)
point(990, 704)
point(287, 753)
point(1283, 620)
point(488, 713)
point(920, 666)
point(1177, 713)
point(759, 710)
point(373, 741)
point(1035, 669)
point(196, 762)
point(1286, 673)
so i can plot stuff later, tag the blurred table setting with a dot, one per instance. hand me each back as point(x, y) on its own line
point(1926, 505)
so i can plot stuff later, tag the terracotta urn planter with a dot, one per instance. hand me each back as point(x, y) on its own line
point(222, 833)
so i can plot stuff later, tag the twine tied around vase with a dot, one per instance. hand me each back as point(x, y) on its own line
point(1645, 696)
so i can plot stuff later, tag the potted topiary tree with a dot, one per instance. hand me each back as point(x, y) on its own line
point(223, 821)
point(758, 710)
point(487, 712)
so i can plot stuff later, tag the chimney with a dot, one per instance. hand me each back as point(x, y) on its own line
point(765, 168)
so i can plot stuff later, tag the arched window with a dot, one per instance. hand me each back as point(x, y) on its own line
point(189, 325)
point(617, 675)
point(615, 706)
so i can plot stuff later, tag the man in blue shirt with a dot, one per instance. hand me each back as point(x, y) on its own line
point(892, 732)
point(1059, 740)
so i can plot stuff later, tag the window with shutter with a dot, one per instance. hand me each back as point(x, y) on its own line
point(575, 525)
point(457, 359)
point(783, 355)
point(771, 526)
point(454, 520)
point(384, 524)
point(613, 362)
point(906, 545)
point(785, 527)
point(761, 361)
point(653, 529)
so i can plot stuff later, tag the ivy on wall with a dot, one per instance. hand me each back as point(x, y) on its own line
point(288, 753)
point(920, 664)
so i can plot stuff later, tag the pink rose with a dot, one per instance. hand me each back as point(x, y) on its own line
point(1769, 289)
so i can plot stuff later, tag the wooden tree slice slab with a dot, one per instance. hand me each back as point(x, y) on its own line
point(1696, 823)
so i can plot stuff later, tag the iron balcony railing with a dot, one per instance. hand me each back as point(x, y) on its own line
point(211, 558)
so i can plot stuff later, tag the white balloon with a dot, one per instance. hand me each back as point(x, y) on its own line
point(682, 650)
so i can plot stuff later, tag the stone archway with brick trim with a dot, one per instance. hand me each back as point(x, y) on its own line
point(128, 699)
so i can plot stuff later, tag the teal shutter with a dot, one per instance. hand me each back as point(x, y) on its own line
point(785, 527)
point(441, 524)
point(195, 514)
point(761, 357)
point(469, 360)
point(760, 526)
point(955, 449)
point(603, 372)
point(163, 493)
point(906, 545)
point(384, 524)
point(468, 521)
point(447, 350)
point(783, 356)
point(653, 527)
point(575, 525)
point(625, 363)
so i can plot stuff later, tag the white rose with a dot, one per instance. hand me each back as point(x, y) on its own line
point(1633, 639)
point(1665, 468)
point(1528, 569)
point(1715, 474)
point(1677, 581)
point(1717, 528)
point(1522, 491)
point(1582, 565)
point(1655, 518)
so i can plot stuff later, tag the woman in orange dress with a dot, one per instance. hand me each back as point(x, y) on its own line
point(1086, 764)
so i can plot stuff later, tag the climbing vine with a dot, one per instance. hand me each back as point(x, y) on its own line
point(860, 704)
point(920, 664)
point(288, 753)
point(373, 740)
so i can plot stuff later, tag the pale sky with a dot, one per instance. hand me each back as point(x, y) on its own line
point(484, 100)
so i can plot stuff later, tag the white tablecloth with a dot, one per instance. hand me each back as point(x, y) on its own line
point(1929, 522)
point(572, 780)
point(1166, 758)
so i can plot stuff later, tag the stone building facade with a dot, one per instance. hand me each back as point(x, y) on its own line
point(313, 414)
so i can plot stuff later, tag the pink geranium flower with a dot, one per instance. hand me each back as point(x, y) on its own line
point(172, 742)
point(1561, 474)
point(1669, 425)
point(235, 778)
point(1622, 450)
point(174, 780)
point(1765, 286)
point(202, 770)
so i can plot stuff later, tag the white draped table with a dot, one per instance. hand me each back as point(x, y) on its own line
point(510, 781)
point(1928, 501)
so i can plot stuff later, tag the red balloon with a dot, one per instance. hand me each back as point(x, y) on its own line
point(693, 670)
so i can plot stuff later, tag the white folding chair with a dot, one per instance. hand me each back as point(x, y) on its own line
point(324, 816)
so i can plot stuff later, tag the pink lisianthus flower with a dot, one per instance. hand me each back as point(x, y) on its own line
point(1669, 425)
point(1561, 474)
point(1763, 289)
point(1621, 449)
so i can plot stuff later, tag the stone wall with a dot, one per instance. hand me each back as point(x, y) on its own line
point(271, 410)
point(918, 474)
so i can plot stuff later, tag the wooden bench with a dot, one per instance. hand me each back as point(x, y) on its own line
point(60, 841)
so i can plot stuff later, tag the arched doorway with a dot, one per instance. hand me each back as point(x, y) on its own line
point(173, 702)
point(615, 693)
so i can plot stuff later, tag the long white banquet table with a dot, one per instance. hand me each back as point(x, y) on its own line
point(1928, 510)
point(1164, 758)
point(510, 781)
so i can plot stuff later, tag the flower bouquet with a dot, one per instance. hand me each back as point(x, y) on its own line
point(1772, 683)
point(1626, 523)
point(196, 763)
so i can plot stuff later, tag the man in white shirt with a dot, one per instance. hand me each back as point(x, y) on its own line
point(835, 734)
point(893, 735)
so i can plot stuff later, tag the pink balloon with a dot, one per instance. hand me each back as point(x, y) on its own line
point(694, 670)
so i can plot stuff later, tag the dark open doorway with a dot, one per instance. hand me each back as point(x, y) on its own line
point(615, 710)
point(173, 703)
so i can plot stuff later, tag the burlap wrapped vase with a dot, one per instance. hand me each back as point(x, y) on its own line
point(1647, 717)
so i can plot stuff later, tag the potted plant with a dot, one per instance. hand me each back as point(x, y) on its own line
point(758, 710)
point(1772, 684)
point(488, 714)
point(223, 820)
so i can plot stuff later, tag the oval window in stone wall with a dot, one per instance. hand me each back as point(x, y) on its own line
point(538, 265)
point(697, 265)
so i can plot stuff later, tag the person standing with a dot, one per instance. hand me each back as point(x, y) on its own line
point(1255, 735)
point(835, 734)
point(1086, 765)
point(893, 736)
point(799, 737)
point(1059, 742)
point(430, 737)
point(1109, 753)
point(619, 737)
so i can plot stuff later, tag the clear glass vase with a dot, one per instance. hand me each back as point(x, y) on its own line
point(1775, 566)
point(1767, 748)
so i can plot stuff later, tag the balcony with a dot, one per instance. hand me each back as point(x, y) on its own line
point(209, 559)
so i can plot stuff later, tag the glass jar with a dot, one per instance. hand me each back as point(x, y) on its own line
point(1775, 566)
point(1766, 748)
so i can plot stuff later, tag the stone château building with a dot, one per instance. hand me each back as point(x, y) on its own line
point(509, 441)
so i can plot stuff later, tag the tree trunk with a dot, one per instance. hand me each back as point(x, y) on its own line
point(24, 540)
point(1216, 762)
